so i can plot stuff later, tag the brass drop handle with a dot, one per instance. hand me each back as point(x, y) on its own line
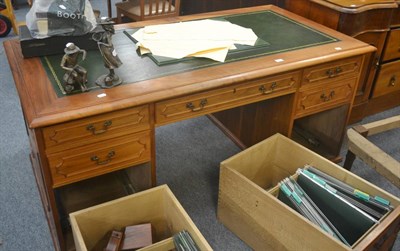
point(192, 107)
point(109, 157)
point(264, 90)
point(392, 81)
point(106, 124)
point(327, 98)
point(330, 73)
point(334, 72)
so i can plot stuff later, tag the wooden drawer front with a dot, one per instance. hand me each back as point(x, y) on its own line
point(388, 79)
point(212, 101)
point(396, 17)
point(312, 100)
point(95, 129)
point(392, 50)
point(334, 70)
point(96, 159)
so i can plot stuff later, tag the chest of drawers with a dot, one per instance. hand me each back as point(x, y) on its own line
point(374, 22)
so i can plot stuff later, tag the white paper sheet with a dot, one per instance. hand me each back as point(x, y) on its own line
point(204, 38)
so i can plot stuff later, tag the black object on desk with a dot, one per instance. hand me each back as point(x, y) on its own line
point(33, 47)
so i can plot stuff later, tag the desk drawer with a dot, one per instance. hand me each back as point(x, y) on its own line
point(388, 79)
point(95, 129)
point(396, 17)
point(216, 100)
point(313, 100)
point(321, 74)
point(99, 158)
point(392, 50)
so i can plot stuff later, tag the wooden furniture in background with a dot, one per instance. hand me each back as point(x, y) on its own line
point(360, 146)
point(305, 94)
point(200, 6)
point(374, 22)
point(141, 10)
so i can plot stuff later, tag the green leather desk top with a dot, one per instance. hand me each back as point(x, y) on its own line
point(276, 34)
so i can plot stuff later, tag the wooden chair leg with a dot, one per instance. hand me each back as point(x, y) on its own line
point(350, 157)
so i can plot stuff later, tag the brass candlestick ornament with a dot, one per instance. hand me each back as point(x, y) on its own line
point(110, 57)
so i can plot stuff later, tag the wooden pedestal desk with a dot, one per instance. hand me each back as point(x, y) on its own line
point(303, 92)
point(374, 22)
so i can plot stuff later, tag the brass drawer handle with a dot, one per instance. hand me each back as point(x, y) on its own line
point(334, 72)
point(202, 104)
point(327, 98)
point(392, 81)
point(264, 90)
point(106, 124)
point(330, 73)
point(103, 162)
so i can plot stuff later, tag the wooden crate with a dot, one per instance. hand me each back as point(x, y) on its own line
point(248, 204)
point(157, 206)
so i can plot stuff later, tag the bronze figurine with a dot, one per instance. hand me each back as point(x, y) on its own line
point(74, 73)
point(110, 57)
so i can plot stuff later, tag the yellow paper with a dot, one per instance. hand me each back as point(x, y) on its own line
point(205, 38)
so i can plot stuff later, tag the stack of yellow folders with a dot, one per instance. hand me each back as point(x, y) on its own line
point(203, 38)
point(340, 210)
